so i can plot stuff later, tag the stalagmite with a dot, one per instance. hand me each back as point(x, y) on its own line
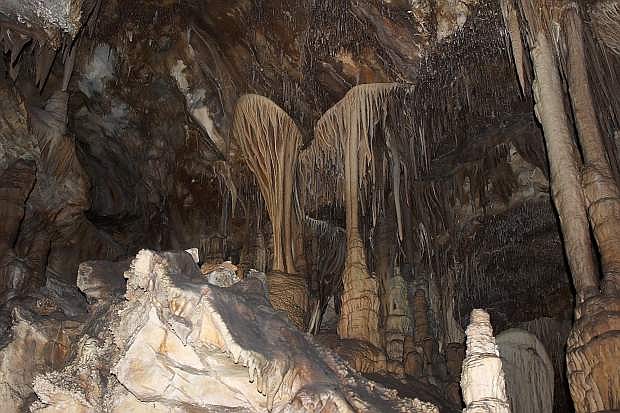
point(422, 329)
point(592, 354)
point(270, 141)
point(394, 298)
point(420, 316)
point(413, 358)
point(528, 371)
point(455, 354)
point(482, 378)
point(397, 322)
point(344, 133)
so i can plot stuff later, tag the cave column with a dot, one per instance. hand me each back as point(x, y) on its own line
point(591, 199)
point(359, 314)
point(600, 188)
point(593, 345)
point(563, 164)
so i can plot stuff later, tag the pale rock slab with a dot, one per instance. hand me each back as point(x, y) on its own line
point(179, 344)
point(194, 253)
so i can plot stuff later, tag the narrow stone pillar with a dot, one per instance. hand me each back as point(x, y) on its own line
point(482, 377)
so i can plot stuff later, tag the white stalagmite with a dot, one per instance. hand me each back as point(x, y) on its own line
point(482, 377)
point(528, 370)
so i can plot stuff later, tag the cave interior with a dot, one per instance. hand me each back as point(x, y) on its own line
point(310, 206)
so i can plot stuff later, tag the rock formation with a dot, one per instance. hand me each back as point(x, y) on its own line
point(40, 341)
point(397, 324)
point(17, 183)
point(100, 280)
point(180, 344)
point(593, 348)
point(528, 371)
point(390, 165)
point(343, 134)
point(222, 275)
point(482, 378)
point(584, 190)
point(270, 142)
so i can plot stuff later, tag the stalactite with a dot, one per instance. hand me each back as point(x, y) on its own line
point(606, 23)
point(452, 330)
point(56, 40)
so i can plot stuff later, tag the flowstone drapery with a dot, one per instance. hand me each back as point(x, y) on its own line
point(528, 371)
point(270, 142)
